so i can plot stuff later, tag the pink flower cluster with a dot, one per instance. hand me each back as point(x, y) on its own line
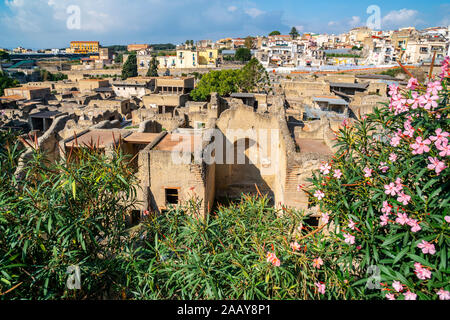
point(325, 217)
point(320, 287)
point(395, 189)
point(295, 246)
point(325, 168)
point(367, 172)
point(402, 218)
point(398, 287)
point(349, 238)
point(428, 101)
point(445, 68)
point(317, 262)
point(272, 258)
point(427, 247)
point(443, 294)
point(421, 272)
point(319, 195)
point(420, 146)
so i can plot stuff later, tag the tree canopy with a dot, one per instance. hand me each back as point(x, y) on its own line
point(274, 33)
point(46, 75)
point(243, 54)
point(153, 68)
point(249, 42)
point(4, 55)
point(251, 77)
point(294, 33)
point(129, 68)
point(6, 82)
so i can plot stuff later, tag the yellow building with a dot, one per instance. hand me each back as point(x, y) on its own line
point(84, 46)
point(208, 56)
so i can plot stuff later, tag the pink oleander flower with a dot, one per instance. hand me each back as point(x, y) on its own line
point(445, 68)
point(402, 218)
point(345, 123)
point(420, 146)
point(428, 101)
point(392, 157)
point(386, 208)
point(384, 219)
point(412, 84)
point(398, 185)
point(319, 195)
point(391, 189)
point(436, 165)
point(433, 88)
point(403, 198)
point(349, 238)
point(295, 246)
point(440, 137)
point(317, 262)
point(443, 294)
point(320, 287)
point(390, 296)
point(421, 272)
point(393, 90)
point(367, 172)
point(414, 225)
point(397, 286)
point(325, 168)
point(337, 174)
point(415, 101)
point(383, 167)
point(272, 258)
point(409, 129)
point(427, 248)
point(395, 140)
point(444, 147)
point(447, 218)
point(410, 296)
point(325, 217)
point(351, 224)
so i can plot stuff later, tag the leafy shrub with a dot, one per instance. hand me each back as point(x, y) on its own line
point(246, 250)
point(60, 215)
point(387, 193)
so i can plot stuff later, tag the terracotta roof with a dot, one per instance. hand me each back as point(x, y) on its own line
point(179, 142)
point(141, 137)
point(98, 138)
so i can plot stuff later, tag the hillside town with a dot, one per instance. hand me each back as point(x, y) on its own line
point(316, 82)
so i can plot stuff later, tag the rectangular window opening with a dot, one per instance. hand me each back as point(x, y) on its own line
point(171, 196)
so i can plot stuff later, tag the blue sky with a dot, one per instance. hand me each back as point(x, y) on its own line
point(44, 23)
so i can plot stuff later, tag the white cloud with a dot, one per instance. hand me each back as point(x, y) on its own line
point(355, 21)
point(300, 28)
point(400, 18)
point(232, 8)
point(254, 12)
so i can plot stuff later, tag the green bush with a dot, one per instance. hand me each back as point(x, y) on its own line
point(225, 256)
point(59, 215)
